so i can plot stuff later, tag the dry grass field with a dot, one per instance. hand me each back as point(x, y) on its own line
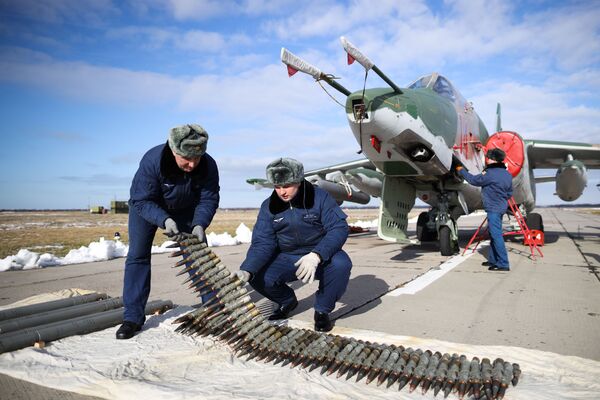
point(57, 232)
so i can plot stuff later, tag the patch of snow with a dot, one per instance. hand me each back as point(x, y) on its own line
point(108, 249)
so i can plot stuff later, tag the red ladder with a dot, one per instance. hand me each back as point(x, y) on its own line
point(528, 236)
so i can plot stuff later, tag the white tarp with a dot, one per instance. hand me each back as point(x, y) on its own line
point(159, 363)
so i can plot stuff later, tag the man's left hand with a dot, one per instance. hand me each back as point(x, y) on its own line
point(307, 267)
point(198, 231)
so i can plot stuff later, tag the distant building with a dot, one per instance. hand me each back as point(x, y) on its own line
point(96, 210)
point(119, 207)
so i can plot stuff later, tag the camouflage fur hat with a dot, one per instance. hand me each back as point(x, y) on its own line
point(496, 154)
point(188, 140)
point(284, 171)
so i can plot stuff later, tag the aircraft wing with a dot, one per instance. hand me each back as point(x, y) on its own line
point(356, 188)
point(260, 183)
point(343, 167)
point(552, 154)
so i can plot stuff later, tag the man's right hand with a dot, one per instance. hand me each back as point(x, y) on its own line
point(171, 227)
point(243, 276)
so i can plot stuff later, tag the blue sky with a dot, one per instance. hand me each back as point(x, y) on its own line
point(87, 87)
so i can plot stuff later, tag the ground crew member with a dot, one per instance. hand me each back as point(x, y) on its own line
point(176, 187)
point(496, 189)
point(299, 234)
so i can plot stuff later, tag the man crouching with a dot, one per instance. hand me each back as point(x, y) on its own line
point(299, 234)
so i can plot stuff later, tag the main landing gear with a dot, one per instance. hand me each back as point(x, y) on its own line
point(438, 224)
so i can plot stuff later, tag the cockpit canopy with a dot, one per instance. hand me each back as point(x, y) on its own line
point(438, 84)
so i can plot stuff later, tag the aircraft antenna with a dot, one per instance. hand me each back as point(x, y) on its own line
point(498, 118)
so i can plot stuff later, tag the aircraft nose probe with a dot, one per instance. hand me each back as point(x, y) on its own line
point(356, 55)
point(295, 64)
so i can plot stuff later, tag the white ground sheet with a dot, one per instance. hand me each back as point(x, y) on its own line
point(159, 363)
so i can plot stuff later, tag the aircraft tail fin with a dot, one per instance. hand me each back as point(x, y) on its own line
point(498, 119)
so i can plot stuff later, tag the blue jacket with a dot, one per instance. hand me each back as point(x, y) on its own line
point(160, 189)
point(496, 186)
point(311, 221)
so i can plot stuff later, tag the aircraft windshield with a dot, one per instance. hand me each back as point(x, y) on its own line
point(437, 83)
point(421, 82)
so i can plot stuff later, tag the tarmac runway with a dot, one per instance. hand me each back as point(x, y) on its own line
point(549, 304)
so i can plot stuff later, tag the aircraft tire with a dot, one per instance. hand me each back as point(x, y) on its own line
point(424, 234)
point(448, 247)
point(535, 222)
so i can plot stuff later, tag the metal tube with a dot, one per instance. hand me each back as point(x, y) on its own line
point(60, 314)
point(50, 305)
point(75, 326)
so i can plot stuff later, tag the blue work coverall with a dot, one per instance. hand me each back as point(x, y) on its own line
point(496, 189)
point(284, 232)
point(161, 190)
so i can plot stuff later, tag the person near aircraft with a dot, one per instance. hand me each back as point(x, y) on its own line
point(176, 187)
point(299, 234)
point(496, 189)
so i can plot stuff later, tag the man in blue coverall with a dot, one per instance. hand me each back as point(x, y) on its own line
point(299, 234)
point(176, 187)
point(496, 189)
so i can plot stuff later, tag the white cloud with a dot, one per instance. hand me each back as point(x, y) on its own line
point(411, 35)
point(327, 18)
point(198, 9)
point(260, 7)
point(91, 83)
point(539, 112)
point(60, 11)
point(201, 41)
point(152, 38)
point(147, 37)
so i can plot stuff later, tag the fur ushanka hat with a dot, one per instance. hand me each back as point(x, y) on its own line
point(188, 140)
point(285, 171)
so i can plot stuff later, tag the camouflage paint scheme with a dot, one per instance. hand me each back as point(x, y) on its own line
point(414, 137)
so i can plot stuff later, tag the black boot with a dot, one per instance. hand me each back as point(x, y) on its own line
point(128, 329)
point(322, 322)
point(282, 312)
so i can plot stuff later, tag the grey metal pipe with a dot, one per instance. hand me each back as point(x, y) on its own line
point(59, 314)
point(50, 305)
point(74, 326)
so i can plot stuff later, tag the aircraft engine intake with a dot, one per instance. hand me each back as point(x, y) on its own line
point(571, 180)
point(513, 146)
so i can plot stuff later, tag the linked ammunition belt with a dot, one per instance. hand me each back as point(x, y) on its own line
point(232, 317)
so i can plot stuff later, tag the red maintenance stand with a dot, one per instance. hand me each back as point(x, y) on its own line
point(531, 238)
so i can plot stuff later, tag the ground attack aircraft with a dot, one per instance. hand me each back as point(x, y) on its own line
point(412, 137)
